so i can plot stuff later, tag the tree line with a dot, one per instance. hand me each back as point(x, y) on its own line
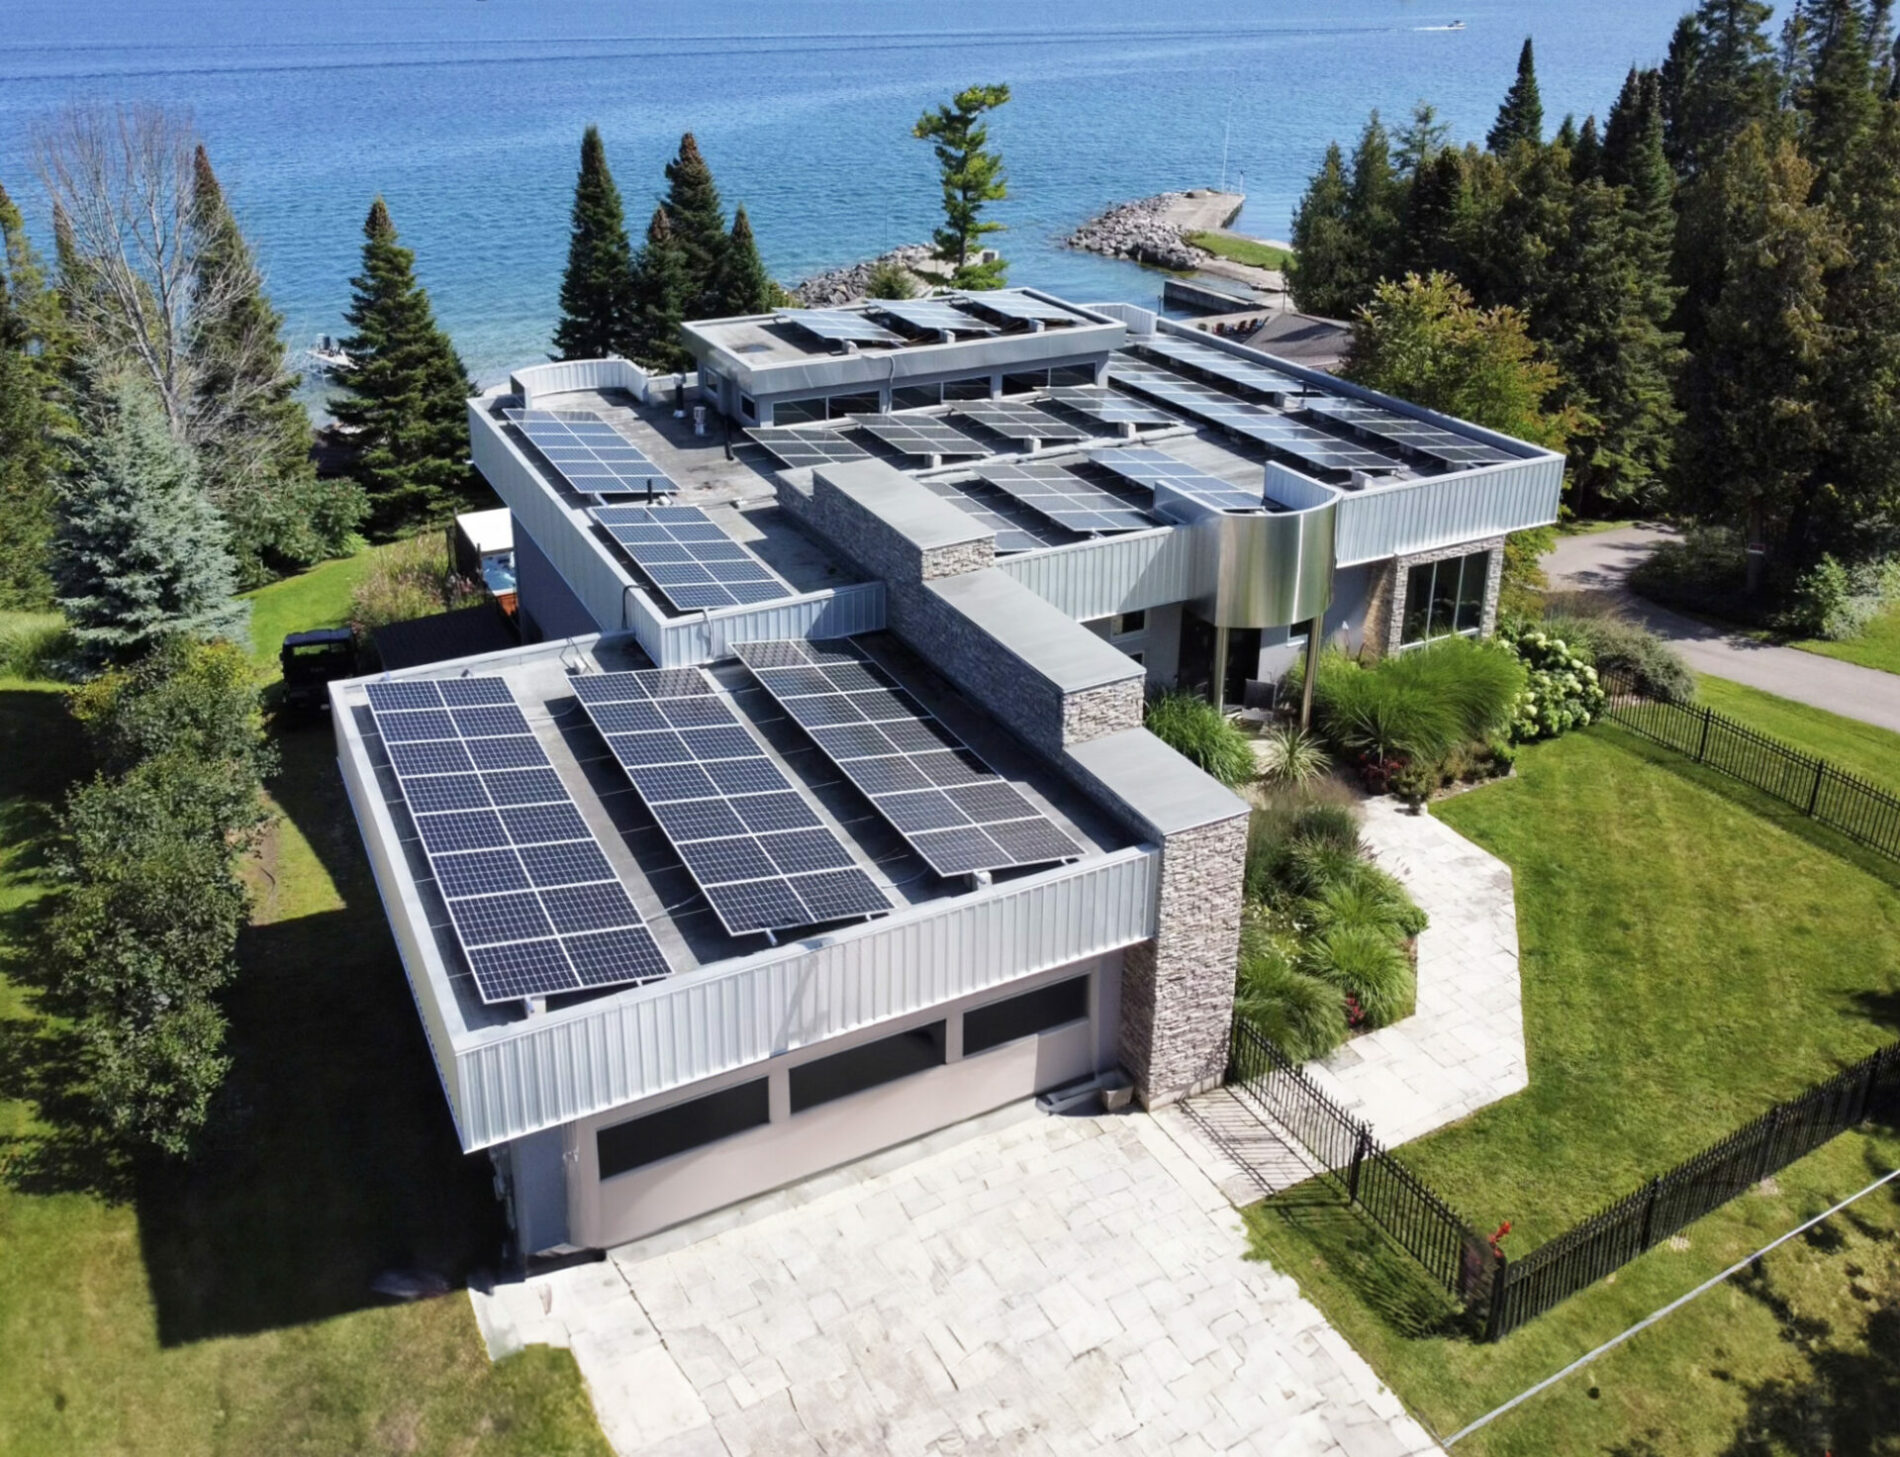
point(1713, 273)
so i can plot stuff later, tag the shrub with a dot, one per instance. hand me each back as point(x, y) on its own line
point(1304, 1016)
point(890, 279)
point(1562, 692)
point(407, 580)
point(1365, 963)
point(1200, 733)
point(1289, 755)
point(1705, 570)
point(1417, 705)
point(1836, 602)
point(1616, 645)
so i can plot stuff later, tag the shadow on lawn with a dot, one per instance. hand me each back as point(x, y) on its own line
point(332, 1156)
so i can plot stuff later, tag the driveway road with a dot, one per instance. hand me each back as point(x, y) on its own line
point(1600, 562)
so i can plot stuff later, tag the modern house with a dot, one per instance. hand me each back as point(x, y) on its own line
point(817, 813)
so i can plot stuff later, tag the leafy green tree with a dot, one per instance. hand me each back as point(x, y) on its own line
point(661, 287)
point(744, 285)
point(972, 177)
point(1720, 77)
point(253, 434)
point(405, 399)
point(139, 555)
point(1521, 117)
point(32, 415)
point(698, 223)
point(1323, 273)
point(597, 288)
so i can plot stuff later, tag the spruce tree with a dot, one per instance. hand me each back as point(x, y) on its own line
point(1375, 205)
point(1521, 117)
point(597, 288)
point(1720, 77)
point(1586, 152)
point(744, 285)
point(31, 415)
point(661, 287)
point(1835, 84)
point(405, 400)
point(1435, 215)
point(698, 224)
point(1421, 141)
point(139, 555)
point(254, 450)
point(1323, 273)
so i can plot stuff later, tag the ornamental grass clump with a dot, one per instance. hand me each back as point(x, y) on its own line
point(1368, 965)
point(1200, 733)
point(1417, 705)
point(1303, 1016)
point(1292, 756)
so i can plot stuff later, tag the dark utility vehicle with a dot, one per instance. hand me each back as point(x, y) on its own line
point(312, 661)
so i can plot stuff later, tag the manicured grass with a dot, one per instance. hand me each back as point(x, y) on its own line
point(1691, 954)
point(1877, 647)
point(1241, 250)
point(319, 597)
point(224, 1306)
point(1860, 748)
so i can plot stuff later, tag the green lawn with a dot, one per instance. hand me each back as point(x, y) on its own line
point(1860, 748)
point(319, 597)
point(1877, 647)
point(223, 1307)
point(1241, 250)
point(1690, 955)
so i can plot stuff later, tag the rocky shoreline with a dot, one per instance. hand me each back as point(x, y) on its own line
point(1140, 230)
point(837, 286)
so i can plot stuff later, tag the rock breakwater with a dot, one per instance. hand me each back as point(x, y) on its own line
point(1142, 230)
point(837, 286)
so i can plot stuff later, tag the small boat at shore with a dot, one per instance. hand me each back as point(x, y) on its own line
point(1454, 25)
point(327, 357)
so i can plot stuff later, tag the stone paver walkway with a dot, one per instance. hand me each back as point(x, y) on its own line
point(1047, 1285)
point(1602, 560)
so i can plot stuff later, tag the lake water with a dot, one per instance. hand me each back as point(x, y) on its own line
point(466, 115)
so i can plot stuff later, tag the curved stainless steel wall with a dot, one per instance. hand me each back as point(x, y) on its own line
point(1265, 571)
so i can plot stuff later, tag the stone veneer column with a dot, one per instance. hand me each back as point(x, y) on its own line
point(1401, 574)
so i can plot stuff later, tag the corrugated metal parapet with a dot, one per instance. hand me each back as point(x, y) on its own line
point(553, 1069)
point(569, 375)
point(1388, 521)
point(834, 612)
point(1123, 573)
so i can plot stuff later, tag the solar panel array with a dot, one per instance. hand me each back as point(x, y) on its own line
point(952, 808)
point(841, 326)
point(761, 857)
point(1062, 496)
point(1013, 304)
point(593, 457)
point(1156, 469)
point(923, 435)
point(984, 504)
point(934, 314)
point(1282, 434)
point(1109, 406)
point(796, 447)
point(532, 900)
point(1446, 447)
point(1019, 420)
point(1224, 366)
point(685, 554)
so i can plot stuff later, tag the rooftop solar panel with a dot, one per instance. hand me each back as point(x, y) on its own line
point(794, 447)
point(761, 857)
point(1446, 447)
point(989, 507)
point(933, 314)
point(1064, 497)
point(841, 326)
point(688, 558)
point(1014, 304)
point(1109, 406)
point(593, 457)
point(1246, 373)
point(505, 847)
point(1158, 470)
point(1019, 420)
point(920, 435)
point(903, 759)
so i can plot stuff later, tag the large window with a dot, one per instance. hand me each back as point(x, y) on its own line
point(1445, 597)
point(641, 1141)
point(1023, 1016)
point(867, 1066)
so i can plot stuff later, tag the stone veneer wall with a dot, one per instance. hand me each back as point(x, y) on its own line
point(1379, 616)
point(1401, 569)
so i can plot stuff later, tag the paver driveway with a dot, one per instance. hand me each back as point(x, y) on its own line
point(1047, 1285)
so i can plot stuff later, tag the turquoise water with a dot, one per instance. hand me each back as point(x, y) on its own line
point(466, 115)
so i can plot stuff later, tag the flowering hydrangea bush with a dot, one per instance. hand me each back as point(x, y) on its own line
point(1561, 692)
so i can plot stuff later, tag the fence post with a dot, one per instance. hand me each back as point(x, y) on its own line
point(1359, 1151)
point(1768, 1143)
point(1494, 1317)
point(1649, 1209)
point(1814, 794)
point(1701, 749)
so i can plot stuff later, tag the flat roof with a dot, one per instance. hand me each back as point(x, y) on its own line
point(541, 678)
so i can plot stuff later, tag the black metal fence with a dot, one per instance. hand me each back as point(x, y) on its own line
point(1862, 811)
point(1523, 1289)
point(1395, 1198)
point(1503, 1293)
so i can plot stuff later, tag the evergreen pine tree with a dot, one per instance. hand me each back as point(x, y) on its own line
point(661, 287)
point(1323, 273)
point(254, 452)
point(1421, 141)
point(1834, 80)
point(597, 288)
point(405, 397)
point(31, 415)
point(698, 224)
point(1586, 152)
point(1434, 216)
point(1375, 206)
point(1720, 77)
point(1521, 117)
point(971, 175)
point(744, 285)
point(139, 555)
